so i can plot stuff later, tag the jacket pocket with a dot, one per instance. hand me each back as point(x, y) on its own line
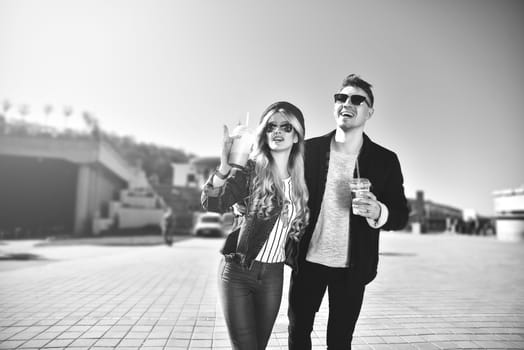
point(230, 246)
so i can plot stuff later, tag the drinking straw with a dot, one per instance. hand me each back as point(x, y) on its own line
point(247, 118)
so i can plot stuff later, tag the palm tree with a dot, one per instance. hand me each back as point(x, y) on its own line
point(24, 110)
point(6, 106)
point(68, 111)
point(48, 109)
point(89, 119)
point(92, 124)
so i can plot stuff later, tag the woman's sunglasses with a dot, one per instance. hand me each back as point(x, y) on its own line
point(355, 100)
point(286, 127)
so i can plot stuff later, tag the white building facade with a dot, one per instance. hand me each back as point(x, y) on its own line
point(509, 214)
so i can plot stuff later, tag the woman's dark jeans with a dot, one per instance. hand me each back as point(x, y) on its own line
point(250, 301)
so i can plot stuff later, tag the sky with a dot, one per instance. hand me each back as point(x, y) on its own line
point(448, 76)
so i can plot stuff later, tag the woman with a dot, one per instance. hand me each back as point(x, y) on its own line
point(273, 191)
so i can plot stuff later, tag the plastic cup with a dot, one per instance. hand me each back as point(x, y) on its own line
point(358, 187)
point(241, 147)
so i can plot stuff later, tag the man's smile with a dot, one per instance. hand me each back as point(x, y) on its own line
point(347, 114)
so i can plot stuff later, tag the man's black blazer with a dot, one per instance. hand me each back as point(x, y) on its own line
point(382, 168)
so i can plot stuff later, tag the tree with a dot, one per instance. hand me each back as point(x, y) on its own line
point(67, 112)
point(48, 109)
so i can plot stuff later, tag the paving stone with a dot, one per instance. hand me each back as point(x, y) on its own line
point(432, 292)
point(35, 343)
point(57, 343)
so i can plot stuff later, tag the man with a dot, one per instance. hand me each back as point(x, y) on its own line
point(339, 250)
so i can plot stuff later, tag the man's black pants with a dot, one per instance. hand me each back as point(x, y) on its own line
point(306, 291)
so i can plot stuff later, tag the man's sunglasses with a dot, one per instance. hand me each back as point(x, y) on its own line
point(286, 127)
point(355, 100)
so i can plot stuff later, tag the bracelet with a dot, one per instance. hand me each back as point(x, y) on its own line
point(220, 175)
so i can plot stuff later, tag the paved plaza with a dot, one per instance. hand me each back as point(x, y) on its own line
point(433, 292)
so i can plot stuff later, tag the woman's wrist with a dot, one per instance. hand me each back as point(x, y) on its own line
point(224, 168)
point(221, 174)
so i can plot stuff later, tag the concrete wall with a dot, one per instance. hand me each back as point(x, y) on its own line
point(37, 195)
point(139, 217)
point(99, 173)
point(96, 188)
point(74, 151)
point(80, 151)
point(510, 229)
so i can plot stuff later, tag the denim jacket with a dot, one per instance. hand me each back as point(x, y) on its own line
point(244, 243)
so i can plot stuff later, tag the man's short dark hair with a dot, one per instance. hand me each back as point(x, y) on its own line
point(356, 81)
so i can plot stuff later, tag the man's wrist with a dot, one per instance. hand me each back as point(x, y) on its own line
point(379, 213)
point(382, 217)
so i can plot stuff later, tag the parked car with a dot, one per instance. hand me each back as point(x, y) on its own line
point(208, 224)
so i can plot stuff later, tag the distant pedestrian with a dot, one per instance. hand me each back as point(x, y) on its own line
point(339, 250)
point(168, 226)
point(273, 191)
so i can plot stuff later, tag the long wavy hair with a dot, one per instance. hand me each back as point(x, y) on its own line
point(267, 186)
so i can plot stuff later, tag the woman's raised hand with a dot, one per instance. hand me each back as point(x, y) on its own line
point(227, 142)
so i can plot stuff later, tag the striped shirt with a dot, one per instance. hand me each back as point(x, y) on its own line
point(273, 250)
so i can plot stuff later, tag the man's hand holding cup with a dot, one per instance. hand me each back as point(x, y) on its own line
point(363, 202)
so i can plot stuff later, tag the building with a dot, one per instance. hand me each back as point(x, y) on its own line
point(60, 184)
point(509, 214)
point(427, 216)
point(195, 173)
point(137, 207)
point(183, 196)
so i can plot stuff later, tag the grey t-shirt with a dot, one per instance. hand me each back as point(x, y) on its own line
point(330, 240)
